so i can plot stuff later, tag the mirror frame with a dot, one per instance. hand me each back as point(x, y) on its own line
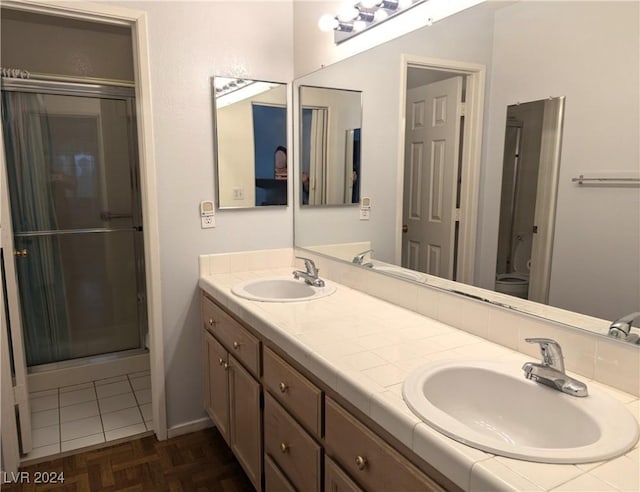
point(216, 160)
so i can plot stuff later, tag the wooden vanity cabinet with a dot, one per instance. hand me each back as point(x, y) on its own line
point(336, 480)
point(363, 455)
point(233, 396)
point(302, 439)
point(245, 420)
point(216, 384)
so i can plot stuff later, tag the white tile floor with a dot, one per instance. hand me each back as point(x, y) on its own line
point(73, 417)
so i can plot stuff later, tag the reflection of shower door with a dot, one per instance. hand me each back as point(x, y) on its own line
point(73, 183)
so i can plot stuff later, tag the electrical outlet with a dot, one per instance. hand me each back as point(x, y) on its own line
point(208, 221)
point(238, 194)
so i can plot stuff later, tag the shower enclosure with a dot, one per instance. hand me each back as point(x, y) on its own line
point(72, 174)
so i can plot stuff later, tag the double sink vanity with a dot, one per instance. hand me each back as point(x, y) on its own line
point(317, 386)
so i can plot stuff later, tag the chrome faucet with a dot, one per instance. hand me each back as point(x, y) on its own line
point(621, 328)
point(550, 371)
point(310, 276)
point(359, 258)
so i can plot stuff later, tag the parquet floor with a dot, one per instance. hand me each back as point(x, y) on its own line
point(198, 462)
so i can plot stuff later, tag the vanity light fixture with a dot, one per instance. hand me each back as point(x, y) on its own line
point(230, 90)
point(354, 17)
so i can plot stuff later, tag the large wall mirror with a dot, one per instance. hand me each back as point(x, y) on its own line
point(330, 142)
point(558, 129)
point(251, 142)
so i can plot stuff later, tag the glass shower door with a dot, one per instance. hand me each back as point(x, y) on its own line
point(72, 178)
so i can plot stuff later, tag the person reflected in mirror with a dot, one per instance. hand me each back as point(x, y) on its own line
point(280, 162)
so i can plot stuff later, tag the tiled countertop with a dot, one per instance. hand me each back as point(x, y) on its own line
point(363, 348)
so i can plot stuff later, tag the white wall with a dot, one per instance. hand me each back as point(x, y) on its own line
point(314, 49)
point(376, 73)
point(590, 54)
point(189, 43)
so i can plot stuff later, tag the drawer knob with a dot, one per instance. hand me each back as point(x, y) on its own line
point(361, 462)
point(283, 387)
point(226, 366)
point(284, 448)
point(236, 345)
point(211, 322)
point(221, 361)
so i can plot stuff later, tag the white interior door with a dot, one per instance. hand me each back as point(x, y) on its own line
point(15, 392)
point(432, 147)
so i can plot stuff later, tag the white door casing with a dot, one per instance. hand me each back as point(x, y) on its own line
point(137, 21)
point(19, 387)
point(432, 147)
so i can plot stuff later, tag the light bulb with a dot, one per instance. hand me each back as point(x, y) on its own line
point(347, 13)
point(327, 23)
point(380, 15)
point(359, 25)
point(403, 4)
point(369, 4)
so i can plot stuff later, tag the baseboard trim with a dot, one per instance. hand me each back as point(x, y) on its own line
point(187, 427)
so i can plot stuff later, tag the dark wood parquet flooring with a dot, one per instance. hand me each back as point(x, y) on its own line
point(199, 462)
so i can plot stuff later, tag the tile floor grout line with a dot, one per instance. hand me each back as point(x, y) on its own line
point(95, 390)
point(135, 397)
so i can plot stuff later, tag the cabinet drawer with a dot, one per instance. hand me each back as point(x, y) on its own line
point(290, 447)
point(238, 341)
point(296, 393)
point(336, 480)
point(274, 480)
point(367, 458)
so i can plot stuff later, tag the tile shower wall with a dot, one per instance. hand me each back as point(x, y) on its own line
point(72, 417)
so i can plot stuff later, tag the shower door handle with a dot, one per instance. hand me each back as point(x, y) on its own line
point(106, 215)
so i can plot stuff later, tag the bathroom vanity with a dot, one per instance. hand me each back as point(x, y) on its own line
point(309, 394)
point(290, 423)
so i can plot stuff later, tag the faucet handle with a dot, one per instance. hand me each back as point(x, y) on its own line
point(359, 258)
point(551, 352)
point(309, 265)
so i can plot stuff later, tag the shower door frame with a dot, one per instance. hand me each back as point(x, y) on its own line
point(136, 20)
point(120, 93)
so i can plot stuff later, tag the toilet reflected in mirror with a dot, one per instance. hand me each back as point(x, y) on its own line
point(530, 168)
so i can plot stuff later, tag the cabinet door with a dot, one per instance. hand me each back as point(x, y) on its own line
point(274, 480)
point(217, 398)
point(336, 480)
point(245, 421)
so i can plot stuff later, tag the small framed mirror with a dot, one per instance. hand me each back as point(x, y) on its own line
point(250, 138)
point(330, 142)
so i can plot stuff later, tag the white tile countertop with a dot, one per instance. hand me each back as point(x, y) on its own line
point(363, 348)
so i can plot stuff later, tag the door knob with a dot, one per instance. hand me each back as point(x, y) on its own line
point(405, 228)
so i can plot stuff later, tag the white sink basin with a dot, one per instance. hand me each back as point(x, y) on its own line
point(281, 289)
point(491, 406)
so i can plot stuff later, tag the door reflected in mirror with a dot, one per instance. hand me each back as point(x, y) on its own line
point(530, 168)
point(250, 142)
point(330, 139)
